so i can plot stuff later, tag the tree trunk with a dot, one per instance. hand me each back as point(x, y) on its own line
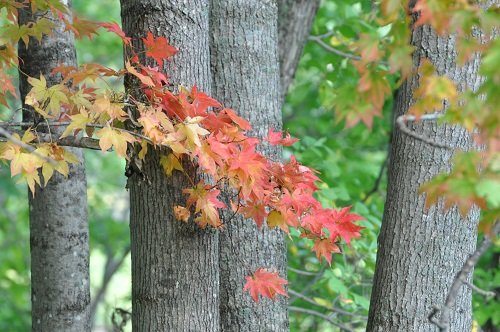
point(245, 68)
point(175, 279)
point(419, 251)
point(59, 235)
point(295, 18)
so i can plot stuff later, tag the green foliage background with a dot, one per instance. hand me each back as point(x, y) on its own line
point(351, 163)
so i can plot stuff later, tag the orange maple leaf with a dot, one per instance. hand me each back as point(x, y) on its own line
point(266, 284)
point(325, 248)
point(158, 48)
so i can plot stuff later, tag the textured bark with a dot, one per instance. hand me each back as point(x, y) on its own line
point(174, 265)
point(295, 18)
point(245, 70)
point(421, 251)
point(59, 235)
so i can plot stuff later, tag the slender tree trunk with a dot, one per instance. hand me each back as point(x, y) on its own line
point(245, 67)
point(59, 235)
point(421, 251)
point(246, 77)
point(175, 279)
point(295, 18)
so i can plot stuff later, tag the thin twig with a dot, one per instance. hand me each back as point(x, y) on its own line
point(112, 265)
point(333, 309)
point(378, 180)
point(327, 47)
point(444, 321)
point(302, 272)
point(313, 281)
point(402, 120)
point(322, 316)
point(479, 290)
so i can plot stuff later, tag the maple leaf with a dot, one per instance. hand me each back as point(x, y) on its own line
point(294, 176)
point(275, 138)
point(103, 105)
point(169, 163)
point(61, 158)
point(208, 158)
point(374, 88)
point(266, 284)
point(155, 123)
point(276, 219)
point(41, 27)
point(196, 103)
point(173, 106)
point(242, 123)
point(115, 28)
point(206, 202)
point(6, 83)
point(82, 27)
point(156, 75)
point(110, 137)
point(315, 221)
point(256, 211)
point(181, 213)
point(300, 200)
point(192, 131)
point(341, 224)
point(325, 248)
point(146, 80)
point(246, 168)
point(158, 48)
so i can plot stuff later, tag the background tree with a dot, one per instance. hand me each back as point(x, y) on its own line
point(59, 234)
point(422, 249)
point(295, 18)
point(175, 270)
point(245, 71)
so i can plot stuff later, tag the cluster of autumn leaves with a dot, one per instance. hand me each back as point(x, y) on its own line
point(190, 128)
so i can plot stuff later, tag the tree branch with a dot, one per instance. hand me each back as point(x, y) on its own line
point(322, 316)
point(402, 120)
point(302, 272)
point(333, 309)
point(479, 290)
point(318, 276)
point(8, 137)
point(112, 265)
point(461, 278)
point(77, 142)
point(320, 42)
point(378, 180)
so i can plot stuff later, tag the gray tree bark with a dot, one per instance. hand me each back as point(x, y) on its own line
point(59, 234)
point(175, 279)
point(295, 18)
point(246, 77)
point(419, 251)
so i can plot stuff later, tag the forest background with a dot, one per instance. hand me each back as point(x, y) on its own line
point(352, 163)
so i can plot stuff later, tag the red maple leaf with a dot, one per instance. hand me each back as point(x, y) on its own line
point(325, 248)
point(115, 28)
point(275, 138)
point(341, 224)
point(266, 284)
point(158, 48)
point(256, 211)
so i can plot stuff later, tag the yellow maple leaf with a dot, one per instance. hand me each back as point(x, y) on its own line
point(192, 131)
point(110, 137)
point(169, 163)
point(78, 122)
